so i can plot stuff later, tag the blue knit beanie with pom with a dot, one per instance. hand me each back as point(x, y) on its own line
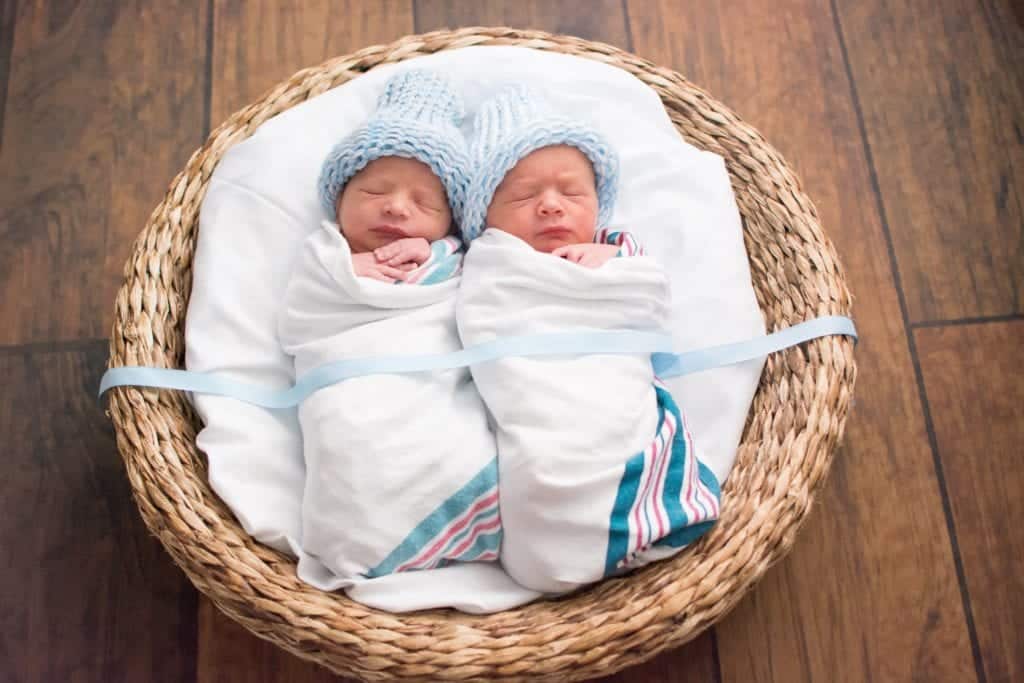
point(417, 117)
point(511, 125)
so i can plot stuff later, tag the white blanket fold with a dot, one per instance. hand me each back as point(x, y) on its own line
point(597, 470)
point(400, 469)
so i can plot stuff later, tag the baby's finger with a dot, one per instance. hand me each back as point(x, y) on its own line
point(388, 251)
point(393, 273)
point(560, 252)
point(377, 275)
point(409, 265)
point(404, 254)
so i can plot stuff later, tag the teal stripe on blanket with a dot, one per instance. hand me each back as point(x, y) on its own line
point(672, 497)
point(626, 498)
point(486, 517)
point(431, 530)
point(484, 543)
point(689, 534)
point(446, 262)
point(618, 525)
point(682, 530)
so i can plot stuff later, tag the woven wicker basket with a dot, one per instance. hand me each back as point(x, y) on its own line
point(792, 430)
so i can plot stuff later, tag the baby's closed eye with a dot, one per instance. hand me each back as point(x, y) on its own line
point(574, 190)
point(429, 203)
point(518, 192)
point(519, 195)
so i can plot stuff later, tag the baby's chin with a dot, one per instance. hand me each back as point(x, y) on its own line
point(548, 247)
point(548, 243)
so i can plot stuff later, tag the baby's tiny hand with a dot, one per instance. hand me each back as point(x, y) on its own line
point(366, 265)
point(414, 250)
point(587, 255)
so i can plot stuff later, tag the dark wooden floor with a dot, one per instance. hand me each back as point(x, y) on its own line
point(905, 121)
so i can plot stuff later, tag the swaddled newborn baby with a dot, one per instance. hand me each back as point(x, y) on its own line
point(598, 472)
point(397, 222)
point(400, 468)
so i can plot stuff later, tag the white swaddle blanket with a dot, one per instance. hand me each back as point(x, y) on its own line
point(259, 208)
point(400, 469)
point(597, 469)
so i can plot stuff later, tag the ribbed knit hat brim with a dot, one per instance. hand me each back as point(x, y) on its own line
point(417, 117)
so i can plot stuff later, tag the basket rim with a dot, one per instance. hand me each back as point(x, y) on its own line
point(564, 639)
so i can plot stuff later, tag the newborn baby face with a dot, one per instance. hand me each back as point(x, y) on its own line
point(548, 200)
point(390, 199)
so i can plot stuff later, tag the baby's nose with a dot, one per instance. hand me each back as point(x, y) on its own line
point(549, 204)
point(397, 205)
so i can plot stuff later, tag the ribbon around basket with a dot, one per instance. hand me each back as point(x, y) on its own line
point(666, 363)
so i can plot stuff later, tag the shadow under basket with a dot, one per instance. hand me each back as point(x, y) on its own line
point(792, 430)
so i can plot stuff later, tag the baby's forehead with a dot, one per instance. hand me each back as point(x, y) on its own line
point(401, 171)
point(555, 162)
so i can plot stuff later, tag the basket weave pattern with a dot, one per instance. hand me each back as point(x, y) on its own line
point(792, 430)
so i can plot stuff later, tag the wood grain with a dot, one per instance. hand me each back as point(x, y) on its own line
point(259, 44)
point(602, 20)
point(105, 101)
point(851, 602)
point(230, 654)
point(7, 14)
point(693, 663)
point(104, 104)
point(87, 594)
point(942, 93)
point(972, 375)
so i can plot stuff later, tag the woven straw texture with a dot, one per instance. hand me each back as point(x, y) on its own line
point(792, 431)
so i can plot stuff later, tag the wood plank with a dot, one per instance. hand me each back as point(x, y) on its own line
point(259, 44)
point(976, 396)
point(104, 105)
point(942, 93)
point(87, 593)
point(693, 663)
point(850, 603)
point(7, 15)
point(228, 653)
point(602, 20)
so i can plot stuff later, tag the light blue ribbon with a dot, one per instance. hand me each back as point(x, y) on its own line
point(689, 362)
point(666, 364)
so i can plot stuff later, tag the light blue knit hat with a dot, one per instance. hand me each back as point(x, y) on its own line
point(516, 122)
point(417, 117)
